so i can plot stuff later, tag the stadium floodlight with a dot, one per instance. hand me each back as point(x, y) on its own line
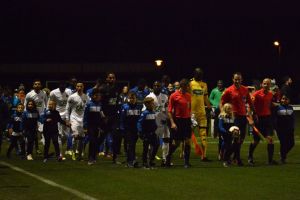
point(158, 63)
point(276, 43)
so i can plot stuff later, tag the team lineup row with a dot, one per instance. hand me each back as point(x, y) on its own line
point(160, 117)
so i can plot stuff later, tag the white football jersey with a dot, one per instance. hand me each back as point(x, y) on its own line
point(40, 100)
point(75, 107)
point(61, 100)
point(160, 108)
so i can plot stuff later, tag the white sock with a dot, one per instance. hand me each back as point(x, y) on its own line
point(165, 150)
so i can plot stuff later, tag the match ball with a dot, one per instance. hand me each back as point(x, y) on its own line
point(235, 131)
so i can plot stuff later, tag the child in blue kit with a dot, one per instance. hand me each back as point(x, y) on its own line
point(15, 130)
point(130, 113)
point(226, 121)
point(146, 126)
point(50, 118)
point(30, 118)
point(93, 122)
point(285, 126)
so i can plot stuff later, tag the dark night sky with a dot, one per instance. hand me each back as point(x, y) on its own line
point(227, 35)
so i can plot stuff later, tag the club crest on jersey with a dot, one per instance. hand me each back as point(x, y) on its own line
point(198, 92)
point(18, 119)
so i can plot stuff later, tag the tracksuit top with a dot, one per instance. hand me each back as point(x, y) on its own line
point(30, 119)
point(93, 115)
point(285, 118)
point(51, 127)
point(130, 114)
point(110, 100)
point(16, 123)
point(146, 124)
point(225, 123)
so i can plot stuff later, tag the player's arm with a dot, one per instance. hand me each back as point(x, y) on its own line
point(170, 113)
point(224, 98)
point(212, 96)
point(85, 116)
point(69, 108)
point(221, 125)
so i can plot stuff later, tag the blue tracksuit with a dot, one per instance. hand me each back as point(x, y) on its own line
point(16, 125)
point(285, 126)
point(30, 119)
point(110, 99)
point(93, 121)
point(50, 118)
point(227, 147)
point(130, 114)
point(146, 127)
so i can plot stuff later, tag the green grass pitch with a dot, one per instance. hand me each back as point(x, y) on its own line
point(202, 181)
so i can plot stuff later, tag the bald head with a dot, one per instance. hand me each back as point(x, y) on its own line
point(266, 83)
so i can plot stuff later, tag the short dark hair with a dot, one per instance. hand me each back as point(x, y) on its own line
point(236, 73)
point(285, 78)
point(20, 104)
point(183, 82)
point(62, 83)
point(198, 71)
point(131, 94)
point(108, 73)
point(37, 80)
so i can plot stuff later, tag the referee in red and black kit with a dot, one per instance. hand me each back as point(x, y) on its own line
point(262, 102)
point(179, 110)
point(238, 96)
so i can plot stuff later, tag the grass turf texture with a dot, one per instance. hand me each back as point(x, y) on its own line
point(202, 181)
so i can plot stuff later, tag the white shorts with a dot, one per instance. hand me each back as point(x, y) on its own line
point(63, 130)
point(77, 128)
point(40, 127)
point(163, 131)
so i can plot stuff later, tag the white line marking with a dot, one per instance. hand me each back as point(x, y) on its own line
point(248, 142)
point(49, 182)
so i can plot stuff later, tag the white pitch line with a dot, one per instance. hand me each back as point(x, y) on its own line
point(49, 182)
point(248, 142)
